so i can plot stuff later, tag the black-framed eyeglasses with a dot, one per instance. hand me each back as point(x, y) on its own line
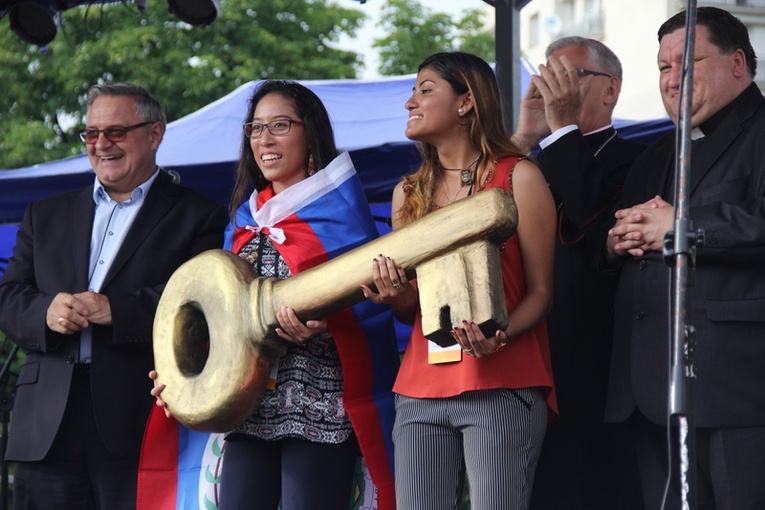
point(583, 72)
point(113, 134)
point(275, 127)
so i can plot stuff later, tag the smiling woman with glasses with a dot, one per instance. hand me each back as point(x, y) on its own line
point(114, 133)
point(319, 409)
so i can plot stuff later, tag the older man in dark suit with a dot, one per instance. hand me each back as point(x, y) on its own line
point(79, 296)
point(567, 110)
point(726, 303)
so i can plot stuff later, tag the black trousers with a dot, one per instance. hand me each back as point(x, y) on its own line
point(78, 471)
point(303, 475)
point(729, 465)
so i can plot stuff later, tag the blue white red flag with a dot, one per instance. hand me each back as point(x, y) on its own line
point(310, 222)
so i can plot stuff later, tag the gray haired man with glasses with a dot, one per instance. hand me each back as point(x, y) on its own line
point(79, 296)
point(567, 112)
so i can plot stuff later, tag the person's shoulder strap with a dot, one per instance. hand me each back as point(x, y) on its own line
point(507, 165)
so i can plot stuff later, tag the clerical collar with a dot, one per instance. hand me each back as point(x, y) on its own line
point(599, 130)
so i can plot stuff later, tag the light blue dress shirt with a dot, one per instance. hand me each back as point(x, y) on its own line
point(110, 226)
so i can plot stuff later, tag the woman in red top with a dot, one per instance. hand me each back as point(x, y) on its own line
point(480, 408)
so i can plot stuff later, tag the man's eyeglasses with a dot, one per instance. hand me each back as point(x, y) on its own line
point(275, 127)
point(583, 72)
point(113, 134)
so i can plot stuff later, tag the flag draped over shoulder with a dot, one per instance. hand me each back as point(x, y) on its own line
point(311, 222)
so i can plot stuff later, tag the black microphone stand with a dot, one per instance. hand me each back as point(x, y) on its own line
point(680, 254)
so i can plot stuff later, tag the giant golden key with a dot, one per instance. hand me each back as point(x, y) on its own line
point(214, 331)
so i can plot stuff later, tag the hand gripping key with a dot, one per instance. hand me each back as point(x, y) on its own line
point(214, 331)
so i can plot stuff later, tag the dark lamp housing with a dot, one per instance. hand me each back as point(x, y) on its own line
point(33, 22)
point(37, 21)
point(194, 12)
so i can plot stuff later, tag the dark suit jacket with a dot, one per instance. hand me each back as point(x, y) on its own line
point(51, 256)
point(571, 472)
point(586, 188)
point(726, 303)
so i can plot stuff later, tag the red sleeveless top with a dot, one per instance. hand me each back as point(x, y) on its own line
point(523, 362)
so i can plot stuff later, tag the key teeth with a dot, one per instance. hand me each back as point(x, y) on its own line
point(462, 285)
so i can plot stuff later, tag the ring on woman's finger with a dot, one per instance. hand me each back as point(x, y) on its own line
point(396, 286)
point(468, 350)
point(60, 320)
point(565, 73)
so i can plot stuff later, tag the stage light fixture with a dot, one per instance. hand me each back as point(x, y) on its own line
point(194, 12)
point(33, 22)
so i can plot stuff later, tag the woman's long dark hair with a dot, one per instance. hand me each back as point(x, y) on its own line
point(318, 128)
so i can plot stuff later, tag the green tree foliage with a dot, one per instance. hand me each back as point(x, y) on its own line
point(415, 31)
point(475, 37)
point(185, 67)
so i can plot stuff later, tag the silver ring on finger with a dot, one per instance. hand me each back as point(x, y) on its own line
point(60, 320)
point(396, 286)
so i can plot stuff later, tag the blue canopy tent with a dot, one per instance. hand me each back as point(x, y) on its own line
point(368, 117)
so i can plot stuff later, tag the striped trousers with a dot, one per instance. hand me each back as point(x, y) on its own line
point(492, 436)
